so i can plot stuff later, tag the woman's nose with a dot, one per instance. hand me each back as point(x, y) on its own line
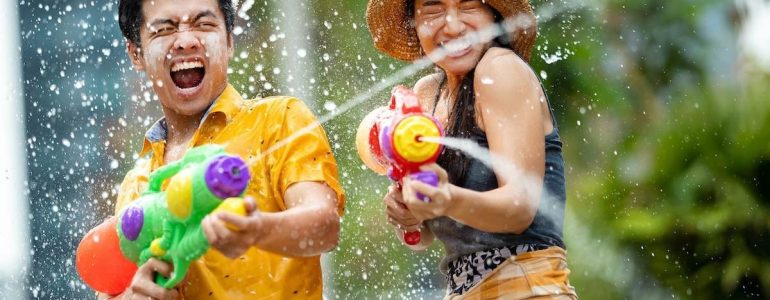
point(453, 25)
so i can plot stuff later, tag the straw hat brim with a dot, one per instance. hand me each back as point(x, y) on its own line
point(393, 31)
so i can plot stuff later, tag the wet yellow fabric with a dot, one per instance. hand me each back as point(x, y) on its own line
point(262, 133)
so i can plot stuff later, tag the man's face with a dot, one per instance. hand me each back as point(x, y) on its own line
point(185, 51)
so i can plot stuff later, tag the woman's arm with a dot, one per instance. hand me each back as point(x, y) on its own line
point(508, 98)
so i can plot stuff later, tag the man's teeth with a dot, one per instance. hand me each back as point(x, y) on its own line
point(186, 65)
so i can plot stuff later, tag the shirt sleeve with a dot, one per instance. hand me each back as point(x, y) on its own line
point(302, 151)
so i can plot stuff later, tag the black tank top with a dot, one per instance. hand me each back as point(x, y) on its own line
point(546, 228)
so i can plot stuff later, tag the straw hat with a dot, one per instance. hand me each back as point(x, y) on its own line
point(394, 33)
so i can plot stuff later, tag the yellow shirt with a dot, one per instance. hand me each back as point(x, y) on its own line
point(249, 128)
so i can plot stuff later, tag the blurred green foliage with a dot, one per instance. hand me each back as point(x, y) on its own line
point(666, 134)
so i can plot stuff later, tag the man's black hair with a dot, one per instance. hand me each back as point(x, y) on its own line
point(131, 18)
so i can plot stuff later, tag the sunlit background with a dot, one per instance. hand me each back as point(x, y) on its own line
point(663, 107)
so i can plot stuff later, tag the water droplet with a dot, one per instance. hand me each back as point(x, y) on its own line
point(330, 106)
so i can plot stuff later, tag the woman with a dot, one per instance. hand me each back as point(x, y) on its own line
point(501, 231)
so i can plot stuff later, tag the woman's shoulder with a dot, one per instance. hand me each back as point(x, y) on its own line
point(426, 89)
point(502, 62)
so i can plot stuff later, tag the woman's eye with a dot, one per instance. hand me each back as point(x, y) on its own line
point(431, 10)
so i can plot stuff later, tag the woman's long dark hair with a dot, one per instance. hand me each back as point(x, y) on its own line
point(461, 122)
point(462, 119)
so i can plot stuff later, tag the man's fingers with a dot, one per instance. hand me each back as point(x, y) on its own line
point(250, 204)
point(219, 226)
point(234, 220)
point(154, 265)
point(172, 294)
point(144, 280)
point(208, 229)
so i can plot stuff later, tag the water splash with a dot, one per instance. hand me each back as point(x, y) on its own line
point(529, 185)
point(484, 35)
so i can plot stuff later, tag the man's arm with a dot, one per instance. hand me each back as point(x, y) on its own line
point(309, 226)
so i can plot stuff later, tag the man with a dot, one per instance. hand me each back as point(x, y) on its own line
point(183, 47)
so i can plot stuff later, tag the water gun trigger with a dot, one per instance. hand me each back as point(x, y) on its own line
point(234, 205)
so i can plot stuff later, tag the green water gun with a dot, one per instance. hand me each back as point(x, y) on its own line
point(167, 224)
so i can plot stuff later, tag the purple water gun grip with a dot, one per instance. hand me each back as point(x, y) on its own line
point(227, 176)
point(427, 177)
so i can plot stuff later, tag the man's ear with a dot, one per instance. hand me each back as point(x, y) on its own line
point(135, 54)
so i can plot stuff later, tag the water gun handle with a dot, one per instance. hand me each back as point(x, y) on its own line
point(196, 245)
point(428, 177)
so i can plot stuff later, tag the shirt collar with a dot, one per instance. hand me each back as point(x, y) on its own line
point(228, 103)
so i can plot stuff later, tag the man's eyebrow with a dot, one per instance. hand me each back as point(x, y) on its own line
point(206, 13)
point(163, 21)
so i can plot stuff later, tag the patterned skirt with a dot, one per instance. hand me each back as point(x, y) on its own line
point(511, 273)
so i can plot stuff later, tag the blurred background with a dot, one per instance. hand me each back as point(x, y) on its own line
point(662, 105)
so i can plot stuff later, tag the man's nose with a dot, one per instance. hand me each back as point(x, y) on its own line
point(186, 40)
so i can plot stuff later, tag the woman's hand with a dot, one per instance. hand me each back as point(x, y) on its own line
point(397, 213)
point(440, 196)
point(232, 234)
point(143, 284)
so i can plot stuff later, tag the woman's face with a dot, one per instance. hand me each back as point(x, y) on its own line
point(447, 25)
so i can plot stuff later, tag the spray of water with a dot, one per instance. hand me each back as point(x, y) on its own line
point(609, 262)
point(530, 184)
point(482, 36)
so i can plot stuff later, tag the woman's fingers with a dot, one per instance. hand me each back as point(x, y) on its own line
point(425, 189)
point(442, 174)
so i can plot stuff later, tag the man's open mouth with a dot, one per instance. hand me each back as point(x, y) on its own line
point(187, 74)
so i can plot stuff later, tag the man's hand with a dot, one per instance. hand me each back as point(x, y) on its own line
point(143, 285)
point(232, 234)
